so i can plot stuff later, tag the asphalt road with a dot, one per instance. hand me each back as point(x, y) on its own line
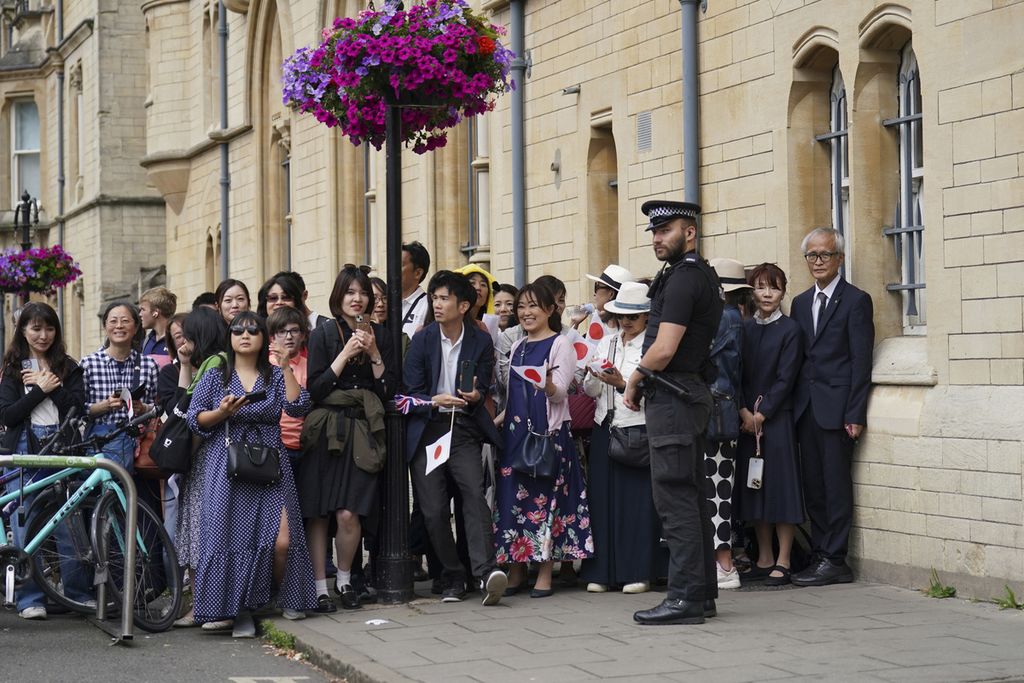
point(69, 648)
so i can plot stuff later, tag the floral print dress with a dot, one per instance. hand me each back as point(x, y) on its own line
point(537, 520)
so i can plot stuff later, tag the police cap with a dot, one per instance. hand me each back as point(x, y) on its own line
point(661, 211)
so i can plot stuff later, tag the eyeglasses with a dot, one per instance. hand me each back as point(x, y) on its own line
point(630, 316)
point(290, 332)
point(274, 298)
point(823, 256)
point(239, 330)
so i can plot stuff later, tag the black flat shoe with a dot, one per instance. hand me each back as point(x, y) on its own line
point(542, 592)
point(783, 580)
point(512, 590)
point(672, 612)
point(755, 573)
point(348, 596)
point(324, 605)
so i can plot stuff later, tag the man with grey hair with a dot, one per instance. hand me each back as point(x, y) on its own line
point(830, 401)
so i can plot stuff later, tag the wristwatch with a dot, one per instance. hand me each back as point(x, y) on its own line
point(379, 361)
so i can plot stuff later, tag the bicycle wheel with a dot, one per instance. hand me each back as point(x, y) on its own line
point(63, 565)
point(158, 585)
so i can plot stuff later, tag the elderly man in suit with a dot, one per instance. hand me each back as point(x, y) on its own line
point(830, 401)
point(437, 358)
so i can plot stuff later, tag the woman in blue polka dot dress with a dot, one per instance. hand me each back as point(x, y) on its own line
point(252, 540)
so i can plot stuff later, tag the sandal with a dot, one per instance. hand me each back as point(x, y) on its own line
point(756, 573)
point(778, 580)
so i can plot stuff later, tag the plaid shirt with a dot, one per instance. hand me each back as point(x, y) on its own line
point(104, 376)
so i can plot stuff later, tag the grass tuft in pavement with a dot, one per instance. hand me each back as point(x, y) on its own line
point(277, 637)
point(1009, 600)
point(937, 589)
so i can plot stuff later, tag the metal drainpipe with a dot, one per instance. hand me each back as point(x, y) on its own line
point(61, 180)
point(518, 40)
point(691, 107)
point(225, 159)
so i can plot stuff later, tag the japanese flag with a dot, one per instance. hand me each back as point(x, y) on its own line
point(596, 330)
point(583, 347)
point(439, 452)
point(535, 374)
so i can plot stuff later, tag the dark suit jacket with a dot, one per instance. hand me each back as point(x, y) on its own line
point(422, 367)
point(836, 373)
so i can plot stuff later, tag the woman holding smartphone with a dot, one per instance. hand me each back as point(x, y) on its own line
point(351, 372)
point(40, 386)
point(119, 380)
point(538, 519)
point(252, 543)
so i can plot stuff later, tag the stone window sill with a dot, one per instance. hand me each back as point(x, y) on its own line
point(903, 361)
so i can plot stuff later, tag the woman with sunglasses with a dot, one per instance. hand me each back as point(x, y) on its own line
point(280, 291)
point(622, 515)
point(351, 374)
point(252, 543)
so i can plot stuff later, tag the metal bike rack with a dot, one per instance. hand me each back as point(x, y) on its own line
point(57, 462)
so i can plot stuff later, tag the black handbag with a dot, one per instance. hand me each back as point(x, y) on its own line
point(172, 449)
point(251, 462)
point(629, 446)
point(724, 423)
point(536, 456)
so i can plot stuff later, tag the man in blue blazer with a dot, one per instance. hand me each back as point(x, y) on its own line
point(437, 358)
point(830, 401)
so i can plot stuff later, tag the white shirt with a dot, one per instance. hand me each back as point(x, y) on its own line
point(449, 372)
point(627, 358)
point(313, 317)
point(414, 311)
point(829, 290)
point(45, 413)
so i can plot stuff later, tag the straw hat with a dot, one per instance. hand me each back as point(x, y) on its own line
point(613, 276)
point(632, 298)
point(730, 274)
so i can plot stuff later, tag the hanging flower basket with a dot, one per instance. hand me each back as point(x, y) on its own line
point(440, 61)
point(37, 270)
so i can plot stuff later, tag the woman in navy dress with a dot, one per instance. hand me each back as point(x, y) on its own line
point(252, 538)
point(537, 519)
point(772, 349)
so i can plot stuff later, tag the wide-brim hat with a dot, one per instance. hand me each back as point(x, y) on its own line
point(730, 273)
point(632, 298)
point(613, 276)
point(661, 211)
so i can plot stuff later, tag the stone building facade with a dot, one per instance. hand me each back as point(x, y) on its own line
point(901, 123)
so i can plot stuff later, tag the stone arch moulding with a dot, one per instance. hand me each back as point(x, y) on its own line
point(817, 45)
point(258, 36)
point(239, 6)
point(887, 27)
point(331, 9)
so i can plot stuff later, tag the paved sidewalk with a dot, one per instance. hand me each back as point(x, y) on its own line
point(857, 632)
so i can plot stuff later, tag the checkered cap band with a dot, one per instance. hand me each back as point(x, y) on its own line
point(662, 212)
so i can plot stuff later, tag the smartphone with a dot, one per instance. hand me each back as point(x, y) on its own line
point(467, 376)
point(30, 364)
point(363, 324)
point(256, 396)
point(138, 392)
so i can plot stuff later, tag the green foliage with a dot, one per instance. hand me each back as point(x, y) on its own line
point(276, 637)
point(936, 589)
point(1009, 600)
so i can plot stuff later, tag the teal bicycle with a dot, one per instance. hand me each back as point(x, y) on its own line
point(77, 535)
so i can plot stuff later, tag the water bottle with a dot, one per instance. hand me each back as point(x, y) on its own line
point(582, 309)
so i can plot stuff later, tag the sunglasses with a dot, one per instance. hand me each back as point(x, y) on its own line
point(239, 330)
point(630, 316)
point(274, 298)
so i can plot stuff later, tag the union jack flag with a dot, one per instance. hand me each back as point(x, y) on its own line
point(407, 403)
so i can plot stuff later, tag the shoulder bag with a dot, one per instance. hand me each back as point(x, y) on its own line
point(627, 445)
point(724, 423)
point(252, 463)
point(174, 444)
point(536, 455)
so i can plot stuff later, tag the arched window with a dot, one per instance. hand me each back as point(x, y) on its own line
point(907, 231)
point(838, 142)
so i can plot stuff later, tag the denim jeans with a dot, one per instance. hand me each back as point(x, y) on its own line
point(75, 577)
point(121, 449)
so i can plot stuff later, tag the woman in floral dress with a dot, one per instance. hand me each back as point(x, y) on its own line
point(252, 542)
point(538, 519)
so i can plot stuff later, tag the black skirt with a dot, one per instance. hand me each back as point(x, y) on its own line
point(780, 497)
point(623, 521)
point(328, 482)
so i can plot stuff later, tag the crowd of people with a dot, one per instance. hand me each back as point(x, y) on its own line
point(627, 442)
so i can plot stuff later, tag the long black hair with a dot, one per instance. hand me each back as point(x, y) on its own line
point(205, 328)
point(263, 366)
point(56, 356)
point(288, 284)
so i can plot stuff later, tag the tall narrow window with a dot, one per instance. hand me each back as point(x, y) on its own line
point(25, 150)
point(837, 139)
point(369, 205)
point(907, 231)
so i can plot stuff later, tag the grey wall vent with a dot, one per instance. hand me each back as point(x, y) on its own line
point(643, 132)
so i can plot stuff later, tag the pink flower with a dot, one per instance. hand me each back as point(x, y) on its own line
point(522, 549)
point(540, 501)
point(537, 516)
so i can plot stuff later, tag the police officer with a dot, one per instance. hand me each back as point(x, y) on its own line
point(686, 306)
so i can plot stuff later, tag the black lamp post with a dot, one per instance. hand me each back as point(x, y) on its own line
point(26, 217)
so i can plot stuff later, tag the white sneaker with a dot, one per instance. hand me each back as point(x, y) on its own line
point(597, 588)
point(33, 613)
point(727, 580)
point(638, 587)
point(292, 614)
point(494, 587)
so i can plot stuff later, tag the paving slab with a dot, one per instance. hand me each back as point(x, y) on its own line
point(856, 632)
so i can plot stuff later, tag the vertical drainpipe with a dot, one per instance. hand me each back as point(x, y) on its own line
point(225, 159)
point(518, 40)
point(691, 108)
point(61, 180)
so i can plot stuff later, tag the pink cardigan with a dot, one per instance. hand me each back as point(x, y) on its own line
point(563, 355)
